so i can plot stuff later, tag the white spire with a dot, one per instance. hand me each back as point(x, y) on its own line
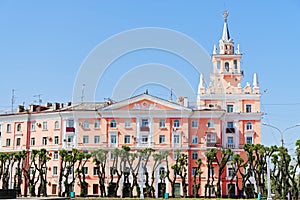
point(238, 49)
point(201, 84)
point(215, 49)
point(225, 35)
point(255, 80)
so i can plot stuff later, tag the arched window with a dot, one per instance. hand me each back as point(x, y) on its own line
point(113, 123)
point(249, 126)
point(176, 123)
point(161, 171)
point(86, 124)
point(56, 125)
point(226, 66)
point(19, 127)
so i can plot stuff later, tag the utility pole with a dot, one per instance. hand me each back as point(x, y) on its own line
point(12, 100)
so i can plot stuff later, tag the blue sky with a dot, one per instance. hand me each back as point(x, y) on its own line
point(43, 45)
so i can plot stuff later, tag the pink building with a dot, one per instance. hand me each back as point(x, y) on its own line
point(227, 116)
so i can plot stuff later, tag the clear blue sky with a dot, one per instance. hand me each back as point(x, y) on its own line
point(43, 44)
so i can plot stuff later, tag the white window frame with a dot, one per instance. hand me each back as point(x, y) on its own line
point(32, 128)
point(162, 139)
point(8, 128)
point(194, 123)
point(45, 126)
point(195, 155)
point(249, 135)
point(248, 108)
point(176, 123)
point(55, 155)
point(44, 141)
point(54, 170)
point(144, 139)
point(249, 126)
point(97, 139)
point(162, 123)
point(113, 124)
point(126, 139)
point(210, 123)
point(113, 135)
point(56, 139)
point(127, 123)
point(195, 139)
point(56, 125)
point(32, 141)
point(211, 137)
point(86, 124)
point(230, 108)
point(85, 139)
point(97, 123)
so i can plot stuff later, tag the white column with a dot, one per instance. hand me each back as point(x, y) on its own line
point(236, 134)
point(150, 139)
point(138, 131)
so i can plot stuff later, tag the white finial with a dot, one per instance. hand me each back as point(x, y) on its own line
point(255, 80)
point(201, 81)
point(238, 49)
point(215, 49)
point(247, 84)
point(225, 35)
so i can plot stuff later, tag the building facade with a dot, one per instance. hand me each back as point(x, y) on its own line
point(227, 115)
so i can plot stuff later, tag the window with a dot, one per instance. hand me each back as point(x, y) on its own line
point(229, 124)
point(145, 123)
point(210, 123)
point(248, 126)
point(95, 171)
point(31, 170)
point(85, 139)
point(45, 126)
point(249, 139)
point(32, 126)
point(175, 155)
point(113, 123)
point(97, 123)
point(194, 155)
point(144, 138)
point(8, 128)
point(212, 171)
point(55, 155)
point(113, 139)
point(176, 139)
point(194, 123)
point(194, 139)
point(86, 124)
point(44, 141)
point(218, 65)
point(194, 169)
point(7, 142)
point(127, 124)
point(56, 125)
point(127, 139)
point(230, 143)
point(18, 143)
point(161, 171)
point(229, 108)
point(85, 170)
point(235, 65)
point(211, 138)
point(19, 127)
point(54, 173)
point(96, 139)
point(162, 139)
point(70, 123)
point(226, 66)
point(176, 123)
point(56, 139)
point(70, 138)
point(32, 141)
point(248, 108)
point(230, 172)
point(162, 123)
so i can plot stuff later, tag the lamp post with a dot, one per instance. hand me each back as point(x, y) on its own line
point(281, 131)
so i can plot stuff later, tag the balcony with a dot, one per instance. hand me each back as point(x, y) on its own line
point(70, 129)
point(211, 144)
point(230, 130)
point(230, 146)
point(144, 128)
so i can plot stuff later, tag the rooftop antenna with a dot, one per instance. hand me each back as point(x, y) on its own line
point(171, 97)
point(39, 96)
point(12, 100)
point(82, 92)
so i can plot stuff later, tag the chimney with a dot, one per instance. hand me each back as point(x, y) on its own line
point(48, 104)
point(21, 109)
point(69, 103)
point(56, 106)
point(180, 100)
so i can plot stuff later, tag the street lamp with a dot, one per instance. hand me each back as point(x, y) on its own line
point(281, 131)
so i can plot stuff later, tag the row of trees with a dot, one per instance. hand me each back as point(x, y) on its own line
point(127, 163)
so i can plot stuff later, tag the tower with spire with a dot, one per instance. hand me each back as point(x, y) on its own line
point(226, 77)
